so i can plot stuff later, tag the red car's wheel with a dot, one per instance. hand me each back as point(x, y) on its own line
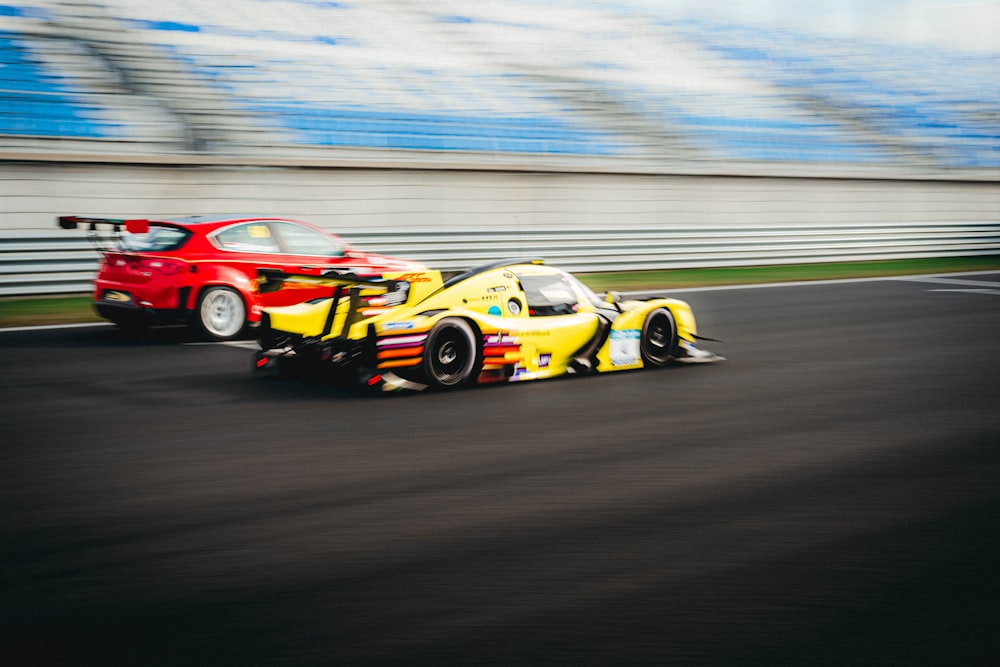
point(222, 314)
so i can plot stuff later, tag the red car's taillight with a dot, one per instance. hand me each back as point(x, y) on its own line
point(167, 267)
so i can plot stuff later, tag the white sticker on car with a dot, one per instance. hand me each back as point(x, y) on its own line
point(625, 347)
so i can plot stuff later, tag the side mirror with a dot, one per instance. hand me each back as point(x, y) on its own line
point(614, 298)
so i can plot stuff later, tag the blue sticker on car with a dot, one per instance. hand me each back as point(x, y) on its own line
point(389, 326)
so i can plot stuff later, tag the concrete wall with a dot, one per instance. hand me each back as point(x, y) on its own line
point(368, 199)
point(456, 219)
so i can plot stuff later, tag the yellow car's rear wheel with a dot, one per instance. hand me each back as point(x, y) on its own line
point(450, 353)
point(659, 338)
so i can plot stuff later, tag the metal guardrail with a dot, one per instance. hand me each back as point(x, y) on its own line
point(46, 263)
point(671, 247)
point(37, 263)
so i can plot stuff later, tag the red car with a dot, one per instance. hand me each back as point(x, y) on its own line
point(201, 270)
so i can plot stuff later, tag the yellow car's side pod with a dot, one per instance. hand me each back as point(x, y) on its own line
point(503, 322)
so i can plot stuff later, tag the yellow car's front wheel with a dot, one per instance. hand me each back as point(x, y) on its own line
point(450, 353)
point(659, 337)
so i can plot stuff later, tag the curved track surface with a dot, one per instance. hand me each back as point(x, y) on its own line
point(828, 495)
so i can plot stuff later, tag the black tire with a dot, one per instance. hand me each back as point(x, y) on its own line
point(221, 313)
point(659, 338)
point(450, 353)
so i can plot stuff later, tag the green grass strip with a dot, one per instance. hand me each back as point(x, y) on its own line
point(31, 311)
point(676, 278)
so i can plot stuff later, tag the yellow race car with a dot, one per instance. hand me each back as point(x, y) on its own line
point(502, 322)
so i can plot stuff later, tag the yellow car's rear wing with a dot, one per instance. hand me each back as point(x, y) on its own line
point(400, 287)
point(365, 295)
point(272, 280)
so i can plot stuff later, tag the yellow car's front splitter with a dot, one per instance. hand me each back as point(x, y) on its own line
point(692, 354)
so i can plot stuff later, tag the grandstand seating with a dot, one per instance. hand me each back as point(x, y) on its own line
point(940, 105)
point(264, 77)
point(37, 100)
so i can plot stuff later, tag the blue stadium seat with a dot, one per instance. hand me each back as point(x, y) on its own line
point(320, 73)
point(35, 101)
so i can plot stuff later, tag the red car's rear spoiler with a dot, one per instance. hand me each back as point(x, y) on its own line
point(131, 225)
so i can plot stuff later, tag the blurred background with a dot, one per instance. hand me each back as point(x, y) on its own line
point(456, 131)
point(827, 496)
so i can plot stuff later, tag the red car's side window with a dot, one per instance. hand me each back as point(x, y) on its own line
point(249, 237)
point(300, 240)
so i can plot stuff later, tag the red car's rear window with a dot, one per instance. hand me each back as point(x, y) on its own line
point(159, 238)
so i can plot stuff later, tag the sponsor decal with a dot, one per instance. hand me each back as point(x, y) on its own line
point(495, 311)
point(544, 360)
point(395, 326)
point(625, 347)
point(414, 278)
point(117, 297)
point(484, 297)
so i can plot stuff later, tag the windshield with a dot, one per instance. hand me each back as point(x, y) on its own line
point(586, 291)
point(158, 238)
point(555, 293)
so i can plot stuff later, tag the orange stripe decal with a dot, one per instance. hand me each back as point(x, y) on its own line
point(398, 363)
point(401, 352)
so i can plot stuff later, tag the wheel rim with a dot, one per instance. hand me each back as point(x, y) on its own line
point(447, 355)
point(222, 313)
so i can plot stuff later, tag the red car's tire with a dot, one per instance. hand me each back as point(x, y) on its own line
point(221, 313)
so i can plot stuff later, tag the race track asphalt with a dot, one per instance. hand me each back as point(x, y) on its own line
point(828, 495)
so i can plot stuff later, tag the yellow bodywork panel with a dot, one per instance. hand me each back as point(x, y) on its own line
point(302, 318)
point(544, 347)
point(622, 351)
